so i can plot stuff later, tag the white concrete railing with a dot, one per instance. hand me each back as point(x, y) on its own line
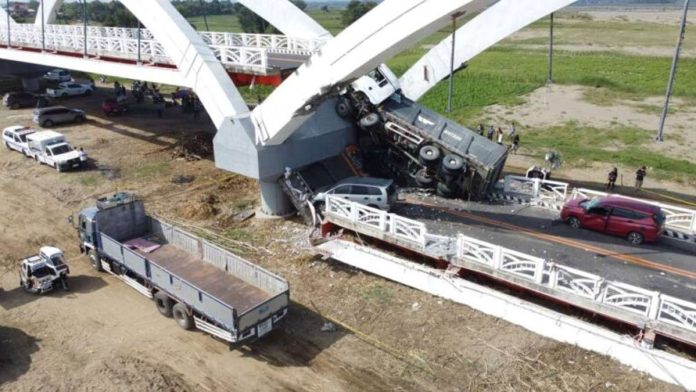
point(274, 43)
point(651, 305)
point(122, 43)
point(536, 189)
point(677, 218)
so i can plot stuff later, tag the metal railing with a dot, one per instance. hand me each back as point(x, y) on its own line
point(464, 251)
point(124, 43)
point(677, 218)
point(537, 190)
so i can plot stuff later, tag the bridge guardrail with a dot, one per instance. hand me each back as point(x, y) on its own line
point(120, 44)
point(461, 250)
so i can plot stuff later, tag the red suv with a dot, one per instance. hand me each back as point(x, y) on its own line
point(636, 221)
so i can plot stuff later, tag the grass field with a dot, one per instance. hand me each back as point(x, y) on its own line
point(514, 68)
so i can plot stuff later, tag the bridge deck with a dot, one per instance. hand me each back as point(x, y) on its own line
point(538, 232)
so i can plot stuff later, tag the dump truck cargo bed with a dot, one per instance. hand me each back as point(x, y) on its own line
point(226, 288)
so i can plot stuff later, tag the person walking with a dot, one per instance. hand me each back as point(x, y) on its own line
point(613, 175)
point(515, 143)
point(513, 130)
point(640, 175)
point(500, 137)
point(480, 129)
point(491, 131)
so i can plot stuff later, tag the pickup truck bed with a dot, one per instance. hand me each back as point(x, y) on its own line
point(226, 288)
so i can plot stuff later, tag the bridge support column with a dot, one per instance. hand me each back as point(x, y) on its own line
point(274, 202)
point(30, 84)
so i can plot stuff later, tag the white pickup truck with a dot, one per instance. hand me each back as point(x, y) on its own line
point(69, 89)
point(41, 273)
point(51, 148)
point(15, 138)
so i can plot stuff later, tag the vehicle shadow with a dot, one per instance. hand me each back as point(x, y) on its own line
point(79, 284)
point(298, 341)
point(16, 349)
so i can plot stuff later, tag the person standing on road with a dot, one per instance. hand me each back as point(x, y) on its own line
point(515, 143)
point(613, 175)
point(513, 130)
point(480, 129)
point(491, 131)
point(640, 175)
point(500, 136)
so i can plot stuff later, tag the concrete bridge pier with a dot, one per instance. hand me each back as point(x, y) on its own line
point(274, 202)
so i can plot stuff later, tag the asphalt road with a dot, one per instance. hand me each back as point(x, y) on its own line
point(540, 233)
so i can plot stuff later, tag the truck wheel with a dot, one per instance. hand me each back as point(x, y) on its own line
point(163, 303)
point(423, 179)
point(429, 155)
point(452, 163)
point(94, 260)
point(343, 107)
point(182, 317)
point(443, 190)
point(369, 121)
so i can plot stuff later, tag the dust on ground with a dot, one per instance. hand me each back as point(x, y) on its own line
point(104, 336)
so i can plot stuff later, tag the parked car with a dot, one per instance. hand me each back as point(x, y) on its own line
point(112, 106)
point(636, 221)
point(18, 100)
point(15, 138)
point(51, 148)
point(373, 192)
point(47, 117)
point(45, 271)
point(57, 75)
point(69, 89)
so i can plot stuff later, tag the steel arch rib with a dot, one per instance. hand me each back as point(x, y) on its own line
point(485, 30)
point(388, 29)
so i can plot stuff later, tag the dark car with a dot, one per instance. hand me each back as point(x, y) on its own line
point(113, 106)
point(634, 220)
point(18, 100)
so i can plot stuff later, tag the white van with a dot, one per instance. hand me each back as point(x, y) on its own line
point(51, 148)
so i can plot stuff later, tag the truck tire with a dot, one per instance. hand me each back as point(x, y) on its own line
point(182, 316)
point(423, 179)
point(452, 163)
point(443, 190)
point(344, 108)
point(163, 303)
point(429, 155)
point(369, 120)
point(94, 260)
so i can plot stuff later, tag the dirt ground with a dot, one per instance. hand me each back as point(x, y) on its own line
point(104, 336)
point(558, 104)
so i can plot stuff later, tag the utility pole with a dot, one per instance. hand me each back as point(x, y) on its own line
point(549, 79)
point(451, 76)
point(672, 74)
point(205, 16)
point(43, 30)
point(9, 42)
point(84, 24)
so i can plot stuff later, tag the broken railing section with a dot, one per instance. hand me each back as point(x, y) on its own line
point(632, 304)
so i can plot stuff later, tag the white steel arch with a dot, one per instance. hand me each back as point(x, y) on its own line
point(479, 34)
point(388, 29)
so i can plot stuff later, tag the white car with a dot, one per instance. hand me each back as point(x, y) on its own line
point(57, 75)
point(69, 89)
point(15, 138)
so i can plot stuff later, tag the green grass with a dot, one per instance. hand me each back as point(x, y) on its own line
point(239, 234)
point(149, 169)
point(217, 23)
point(580, 146)
point(378, 293)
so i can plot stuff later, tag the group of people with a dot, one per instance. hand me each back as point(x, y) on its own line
point(188, 101)
point(614, 175)
point(499, 136)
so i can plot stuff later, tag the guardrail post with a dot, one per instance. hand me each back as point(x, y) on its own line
point(539, 272)
point(654, 310)
point(553, 275)
point(535, 189)
point(353, 213)
point(383, 221)
point(497, 257)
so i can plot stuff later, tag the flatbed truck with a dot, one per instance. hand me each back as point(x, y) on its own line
point(199, 284)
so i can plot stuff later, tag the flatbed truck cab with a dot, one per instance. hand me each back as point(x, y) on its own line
point(196, 282)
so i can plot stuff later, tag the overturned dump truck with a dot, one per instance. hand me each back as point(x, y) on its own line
point(417, 146)
point(197, 283)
